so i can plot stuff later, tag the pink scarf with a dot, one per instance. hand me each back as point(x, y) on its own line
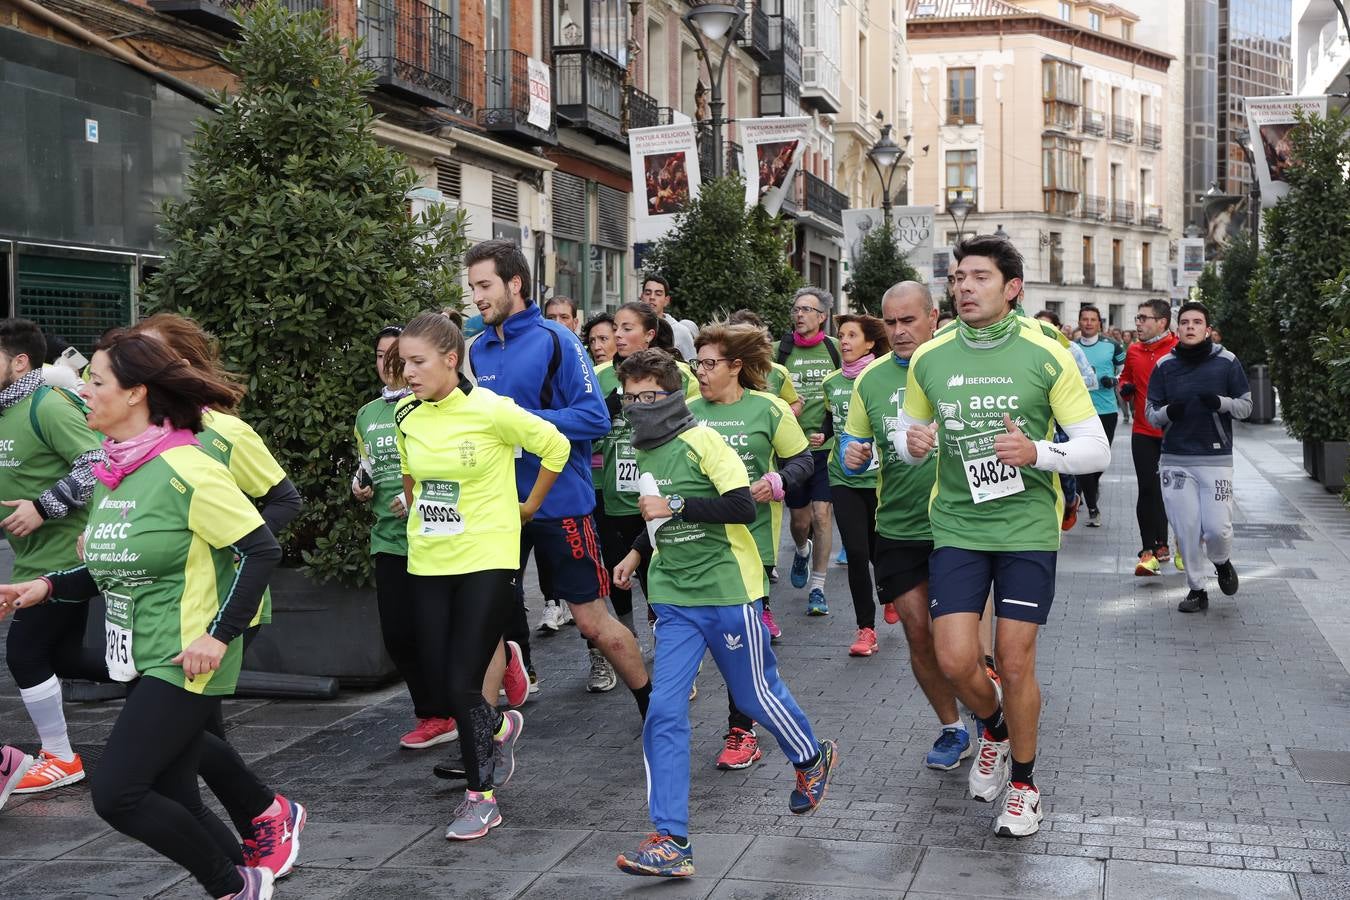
point(853, 369)
point(808, 342)
point(125, 457)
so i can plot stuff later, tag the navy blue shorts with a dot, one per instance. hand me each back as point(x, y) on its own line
point(816, 488)
point(1023, 582)
point(567, 552)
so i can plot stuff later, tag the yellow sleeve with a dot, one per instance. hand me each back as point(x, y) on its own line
point(917, 404)
point(858, 423)
point(1069, 398)
point(254, 468)
point(788, 391)
point(515, 427)
point(720, 463)
point(219, 512)
point(690, 382)
point(788, 437)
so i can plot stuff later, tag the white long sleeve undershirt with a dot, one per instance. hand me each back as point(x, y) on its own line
point(1086, 450)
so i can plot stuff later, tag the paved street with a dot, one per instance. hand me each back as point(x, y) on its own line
point(1167, 760)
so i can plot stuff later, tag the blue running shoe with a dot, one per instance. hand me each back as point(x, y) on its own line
point(813, 783)
point(842, 558)
point(658, 855)
point(815, 603)
point(952, 746)
point(801, 566)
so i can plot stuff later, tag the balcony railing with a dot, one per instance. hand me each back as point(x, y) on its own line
point(1090, 274)
point(415, 53)
point(1118, 276)
point(754, 34)
point(1094, 207)
point(815, 195)
point(1146, 280)
point(1150, 136)
point(642, 109)
point(1153, 216)
point(1122, 212)
point(508, 103)
point(731, 152)
point(1122, 129)
point(219, 15)
point(590, 92)
point(820, 81)
point(1056, 269)
point(1094, 122)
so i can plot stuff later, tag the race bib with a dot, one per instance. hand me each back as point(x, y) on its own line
point(988, 477)
point(117, 648)
point(626, 475)
point(438, 508)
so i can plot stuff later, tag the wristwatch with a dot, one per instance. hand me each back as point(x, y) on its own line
point(676, 506)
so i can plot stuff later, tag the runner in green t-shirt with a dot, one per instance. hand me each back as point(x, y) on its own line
point(731, 363)
point(809, 355)
point(861, 339)
point(986, 396)
point(706, 579)
point(182, 558)
point(46, 477)
point(904, 540)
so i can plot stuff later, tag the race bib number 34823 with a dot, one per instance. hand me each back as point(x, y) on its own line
point(986, 475)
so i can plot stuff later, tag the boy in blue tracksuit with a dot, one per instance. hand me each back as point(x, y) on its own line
point(705, 583)
point(1107, 358)
point(1195, 393)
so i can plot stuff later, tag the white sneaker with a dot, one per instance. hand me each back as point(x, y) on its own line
point(565, 614)
point(1021, 814)
point(989, 775)
point(603, 677)
point(551, 621)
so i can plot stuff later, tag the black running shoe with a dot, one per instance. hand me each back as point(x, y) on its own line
point(1228, 580)
point(1194, 602)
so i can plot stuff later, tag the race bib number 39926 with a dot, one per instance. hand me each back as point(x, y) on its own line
point(987, 476)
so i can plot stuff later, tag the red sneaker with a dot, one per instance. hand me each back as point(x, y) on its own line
point(429, 733)
point(741, 750)
point(1070, 515)
point(516, 681)
point(50, 772)
point(865, 644)
point(276, 839)
point(890, 613)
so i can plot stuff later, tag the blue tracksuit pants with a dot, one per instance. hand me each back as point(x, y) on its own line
point(740, 646)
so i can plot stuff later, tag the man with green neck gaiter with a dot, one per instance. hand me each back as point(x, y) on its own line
point(985, 396)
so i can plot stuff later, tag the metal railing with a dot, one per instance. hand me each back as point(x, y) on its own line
point(817, 196)
point(1056, 269)
point(1122, 211)
point(642, 109)
point(1094, 122)
point(506, 96)
point(754, 34)
point(1150, 136)
point(1146, 280)
point(1122, 129)
point(1118, 276)
point(1153, 216)
point(590, 90)
point(1090, 274)
point(411, 46)
point(1094, 207)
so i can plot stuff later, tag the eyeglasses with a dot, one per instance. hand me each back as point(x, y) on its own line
point(643, 397)
point(808, 309)
point(1154, 318)
point(709, 364)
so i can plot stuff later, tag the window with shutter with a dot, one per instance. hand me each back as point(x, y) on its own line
point(612, 217)
point(505, 199)
point(449, 178)
point(569, 207)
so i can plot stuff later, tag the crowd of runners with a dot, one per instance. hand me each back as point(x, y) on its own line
point(645, 463)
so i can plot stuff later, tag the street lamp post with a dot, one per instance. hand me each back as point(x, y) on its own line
point(1254, 192)
point(959, 209)
point(885, 156)
point(714, 25)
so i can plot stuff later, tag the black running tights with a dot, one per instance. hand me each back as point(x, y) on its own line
point(855, 514)
point(47, 640)
point(1088, 484)
point(1149, 509)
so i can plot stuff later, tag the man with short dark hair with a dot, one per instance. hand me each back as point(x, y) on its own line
point(1154, 342)
point(1194, 395)
point(563, 310)
point(656, 291)
point(1107, 358)
point(542, 367)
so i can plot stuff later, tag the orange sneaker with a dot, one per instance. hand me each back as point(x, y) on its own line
point(1147, 565)
point(865, 644)
point(50, 772)
point(890, 613)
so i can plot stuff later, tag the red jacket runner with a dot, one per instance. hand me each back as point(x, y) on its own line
point(1140, 359)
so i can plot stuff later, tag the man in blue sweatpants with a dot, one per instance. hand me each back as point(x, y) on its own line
point(705, 583)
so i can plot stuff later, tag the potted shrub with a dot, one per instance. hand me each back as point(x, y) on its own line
point(292, 245)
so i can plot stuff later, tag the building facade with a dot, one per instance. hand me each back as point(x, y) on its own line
point(1047, 118)
point(1321, 50)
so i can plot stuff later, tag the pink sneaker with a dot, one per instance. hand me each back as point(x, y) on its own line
point(865, 644)
point(276, 839)
point(429, 733)
point(14, 764)
point(774, 631)
point(516, 681)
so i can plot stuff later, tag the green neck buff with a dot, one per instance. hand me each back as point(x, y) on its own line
point(990, 335)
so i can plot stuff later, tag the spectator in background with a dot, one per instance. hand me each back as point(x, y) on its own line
point(563, 310)
point(656, 291)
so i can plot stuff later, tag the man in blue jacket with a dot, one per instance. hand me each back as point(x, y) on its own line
point(1195, 393)
point(542, 367)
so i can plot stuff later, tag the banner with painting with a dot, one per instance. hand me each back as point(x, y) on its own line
point(771, 150)
point(1271, 121)
point(666, 176)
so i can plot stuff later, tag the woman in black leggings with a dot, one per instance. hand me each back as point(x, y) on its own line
point(166, 525)
point(861, 340)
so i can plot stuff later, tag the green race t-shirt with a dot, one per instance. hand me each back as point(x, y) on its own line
point(808, 367)
point(838, 390)
point(159, 547)
point(377, 443)
point(619, 475)
point(761, 429)
point(903, 491)
point(978, 502)
point(30, 464)
point(701, 563)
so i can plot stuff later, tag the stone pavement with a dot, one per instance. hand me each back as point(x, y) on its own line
point(1167, 755)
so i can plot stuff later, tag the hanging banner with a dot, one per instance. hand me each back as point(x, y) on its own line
point(1271, 121)
point(913, 226)
point(665, 176)
point(1191, 252)
point(541, 95)
point(771, 150)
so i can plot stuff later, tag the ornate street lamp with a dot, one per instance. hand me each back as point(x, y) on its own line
point(714, 25)
point(959, 209)
point(885, 156)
